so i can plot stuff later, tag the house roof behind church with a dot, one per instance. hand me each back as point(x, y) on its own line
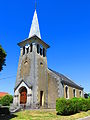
point(2, 94)
point(66, 80)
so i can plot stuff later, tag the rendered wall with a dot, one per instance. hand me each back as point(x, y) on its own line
point(55, 89)
point(42, 82)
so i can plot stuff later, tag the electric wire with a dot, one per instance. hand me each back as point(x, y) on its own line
point(8, 77)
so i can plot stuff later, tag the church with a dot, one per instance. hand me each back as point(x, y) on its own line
point(38, 86)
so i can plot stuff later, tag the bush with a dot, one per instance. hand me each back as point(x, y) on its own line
point(88, 100)
point(71, 106)
point(6, 100)
point(60, 103)
point(86, 104)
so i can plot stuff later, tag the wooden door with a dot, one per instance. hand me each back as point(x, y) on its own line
point(23, 96)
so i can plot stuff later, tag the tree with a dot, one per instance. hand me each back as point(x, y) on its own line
point(6, 100)
point(2, 58)
point(88, 95)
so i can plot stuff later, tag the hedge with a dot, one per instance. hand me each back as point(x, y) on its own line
point(6, 100)
point(72, 106)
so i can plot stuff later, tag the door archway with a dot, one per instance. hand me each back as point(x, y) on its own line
point(23, 95)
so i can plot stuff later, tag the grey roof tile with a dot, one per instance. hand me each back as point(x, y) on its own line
point(66, 80)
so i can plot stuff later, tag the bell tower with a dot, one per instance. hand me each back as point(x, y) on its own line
point(32, 73)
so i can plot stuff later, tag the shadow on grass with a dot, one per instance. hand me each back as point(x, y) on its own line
point(7, 117)
point(5, 114)
point(66, 114)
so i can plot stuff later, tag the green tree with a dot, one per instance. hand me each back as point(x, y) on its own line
point(2, 58)
point(6, 100)
point(88, 95)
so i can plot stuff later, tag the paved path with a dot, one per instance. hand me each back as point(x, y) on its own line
point(86, 118)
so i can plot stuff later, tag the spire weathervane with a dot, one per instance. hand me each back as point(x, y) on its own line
point(35, 25)
point(35, 4)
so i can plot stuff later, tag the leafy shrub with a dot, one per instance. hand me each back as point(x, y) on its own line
point(88, 100)
point(86, 105)
point(75, 104)
point(6, 100)
point(67, 107)
point(71, 106)
point(60, 103)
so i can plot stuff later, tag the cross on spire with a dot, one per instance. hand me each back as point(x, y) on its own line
point(35, 4)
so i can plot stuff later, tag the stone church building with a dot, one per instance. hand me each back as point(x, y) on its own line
point(36, 85)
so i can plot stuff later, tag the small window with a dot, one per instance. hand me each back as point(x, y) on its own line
point(41, 64)
point(74, 93)
point(26, 62)
point(38, 47)
point(40, 51)
point(44, 52)
point(31, 47)
point(23, 50)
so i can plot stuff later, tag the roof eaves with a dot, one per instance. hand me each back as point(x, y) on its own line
point(34, 36)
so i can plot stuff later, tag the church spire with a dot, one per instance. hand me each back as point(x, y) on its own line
point(35, 26)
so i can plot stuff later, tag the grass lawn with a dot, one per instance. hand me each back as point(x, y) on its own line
point(42, 115)
point(46, 115)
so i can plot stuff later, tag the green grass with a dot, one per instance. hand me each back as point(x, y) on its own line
point(46, 115)
point(43, 115)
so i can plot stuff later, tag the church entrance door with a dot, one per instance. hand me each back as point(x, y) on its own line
point(23, 95)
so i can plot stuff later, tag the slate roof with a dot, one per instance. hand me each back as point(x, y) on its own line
point(66, 80)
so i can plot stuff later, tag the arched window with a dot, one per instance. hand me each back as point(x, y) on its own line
point(80, 93)
point(23, 50)
point(31, 47)
point(74, 93)
point(44, 52)
point(66, 91)
point(27, 50)
point(40, 51)
point(38, 48)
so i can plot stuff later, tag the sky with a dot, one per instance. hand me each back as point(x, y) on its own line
point(64, 25)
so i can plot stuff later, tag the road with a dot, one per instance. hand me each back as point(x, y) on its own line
point(86, 118)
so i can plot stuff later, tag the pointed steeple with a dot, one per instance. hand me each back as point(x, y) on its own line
point(35, 26)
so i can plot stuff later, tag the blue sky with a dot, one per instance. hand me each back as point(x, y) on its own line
point(64, 25)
